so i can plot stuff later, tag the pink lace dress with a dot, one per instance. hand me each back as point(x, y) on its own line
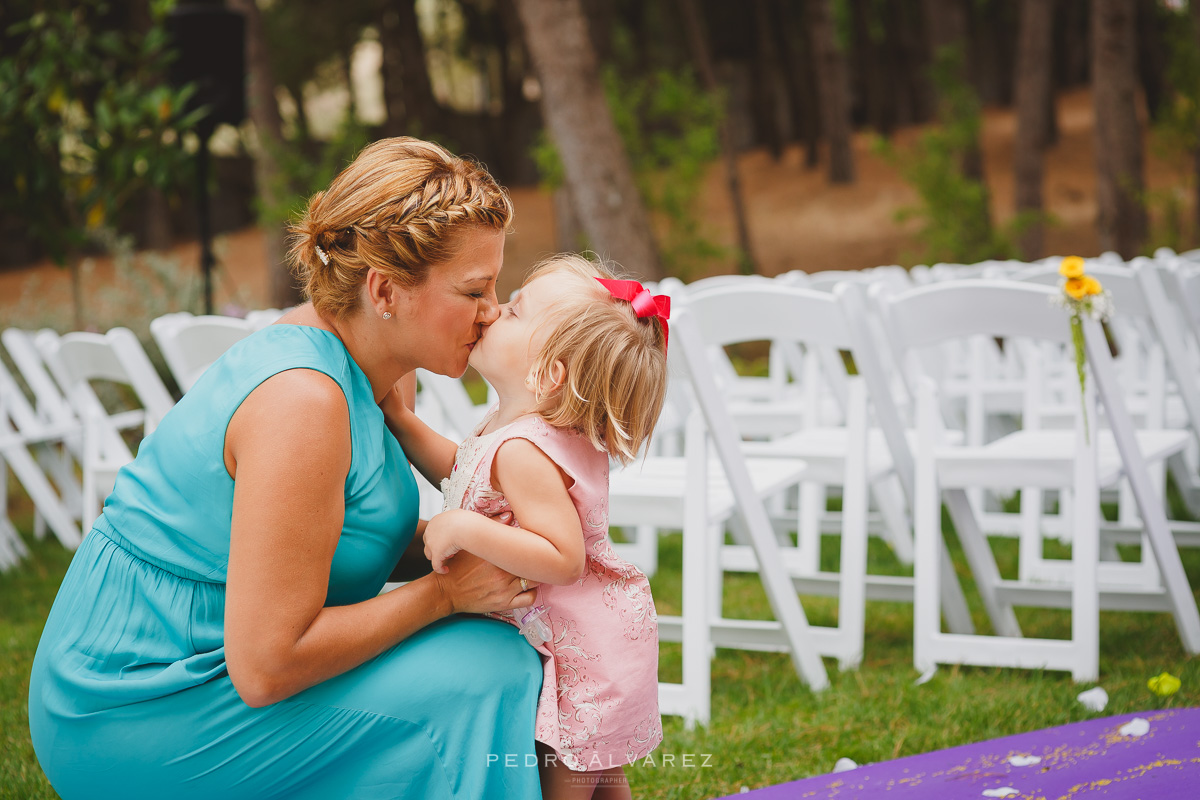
point(599, 701)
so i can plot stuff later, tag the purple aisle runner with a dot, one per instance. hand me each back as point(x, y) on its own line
point(1083, 760)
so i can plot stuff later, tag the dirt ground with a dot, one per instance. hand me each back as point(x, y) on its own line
point(797, 220)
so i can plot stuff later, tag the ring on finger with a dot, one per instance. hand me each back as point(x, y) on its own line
point(524, 585)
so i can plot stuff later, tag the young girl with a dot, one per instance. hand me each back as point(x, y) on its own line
point(578, 362)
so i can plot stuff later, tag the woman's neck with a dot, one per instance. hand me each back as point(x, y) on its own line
point(382, 372)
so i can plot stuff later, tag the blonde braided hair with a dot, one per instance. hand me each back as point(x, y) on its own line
point(399, 207)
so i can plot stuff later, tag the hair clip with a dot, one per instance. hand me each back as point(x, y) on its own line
point(321, 254)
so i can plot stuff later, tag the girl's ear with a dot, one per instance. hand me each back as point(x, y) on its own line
point(551, 380)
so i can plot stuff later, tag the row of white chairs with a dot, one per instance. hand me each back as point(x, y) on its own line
point(61, 440)
point(962, 376)
point(893, 324)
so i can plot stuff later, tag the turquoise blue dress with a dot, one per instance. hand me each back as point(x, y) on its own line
point(130, 696)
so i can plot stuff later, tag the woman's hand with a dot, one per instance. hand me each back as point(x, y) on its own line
point(474, 586)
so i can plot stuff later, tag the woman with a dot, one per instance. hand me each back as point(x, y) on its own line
point(220, 634)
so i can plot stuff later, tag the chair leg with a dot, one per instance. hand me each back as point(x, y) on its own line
point(889, 498)
point(983, 563)
point(812, 508)
point(42, 494)
point(1085, 558)
point(927, 535)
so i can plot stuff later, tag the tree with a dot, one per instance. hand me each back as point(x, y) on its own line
point(690, 15)
point(412, 109)
point(833, 89)
point(86, 124)
point(946, 22)
point(1033, 86)
point(268, 126)
point(1121, 217)
point(595, 165)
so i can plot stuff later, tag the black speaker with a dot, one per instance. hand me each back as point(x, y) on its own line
point(210, 51)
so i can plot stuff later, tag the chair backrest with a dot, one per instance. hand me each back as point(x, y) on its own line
point(262, 317)
point(190, 344)
point(687, 360)
point(787, 316)
point(454, 404)
point(117, 356)
point(1182, 279)
point(1169, 321)
point(49, 402)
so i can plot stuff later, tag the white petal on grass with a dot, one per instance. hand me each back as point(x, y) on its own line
point(845, 765)
point(1094, 699)
point(1135, 727)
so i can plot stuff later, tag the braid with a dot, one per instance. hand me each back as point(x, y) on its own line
point(397, 208)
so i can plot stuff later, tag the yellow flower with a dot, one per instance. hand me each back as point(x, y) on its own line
point(164, 110)
point(1072, 267)
point(1164, 685)
point(95, 216)
point(1091, 286)
point(1075, 287)
point(56, 100)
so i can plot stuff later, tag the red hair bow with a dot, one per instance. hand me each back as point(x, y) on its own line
point(644, 303)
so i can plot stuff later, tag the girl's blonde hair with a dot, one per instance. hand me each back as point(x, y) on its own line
point(616, 364)
point(400, 207)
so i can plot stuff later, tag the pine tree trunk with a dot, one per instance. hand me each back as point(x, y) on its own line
point(946, 27)
point(767, 87)
point(834, 89)
point(264, 113)
point(404, 52)
point(698, 43)
point(576, 112)
point(1194, 9)
point(1033, 78)
point(1120, 184)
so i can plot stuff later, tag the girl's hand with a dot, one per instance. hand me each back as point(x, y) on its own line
point(474, 586)
point(441, 539)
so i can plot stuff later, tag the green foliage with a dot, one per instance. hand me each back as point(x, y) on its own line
point(1175, 135)
point(307, 167)
point(953, 207)
point(85, 121)
point(669, 126)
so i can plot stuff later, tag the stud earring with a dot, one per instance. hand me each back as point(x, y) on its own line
point(387, 315)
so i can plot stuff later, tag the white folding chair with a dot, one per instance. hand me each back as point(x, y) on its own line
point(701, 495)
point(190, 344)
point(809, 324)
point(1149, 343)
point(75, 359)
point(1173, 289)
point(22, 430)
point(930, 315)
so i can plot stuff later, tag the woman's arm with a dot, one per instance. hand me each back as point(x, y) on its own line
point(430, 452)
point(288, 450)
point(548, 547)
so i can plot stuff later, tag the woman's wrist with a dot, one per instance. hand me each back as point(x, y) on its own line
point(441, 599)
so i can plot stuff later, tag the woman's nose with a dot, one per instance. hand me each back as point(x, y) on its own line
point(489, 309)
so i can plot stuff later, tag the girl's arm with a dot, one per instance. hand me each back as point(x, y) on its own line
point(547, 548)
point(287, 448)
point(430, 452)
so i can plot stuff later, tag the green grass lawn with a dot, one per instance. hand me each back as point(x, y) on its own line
point(767, 727)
